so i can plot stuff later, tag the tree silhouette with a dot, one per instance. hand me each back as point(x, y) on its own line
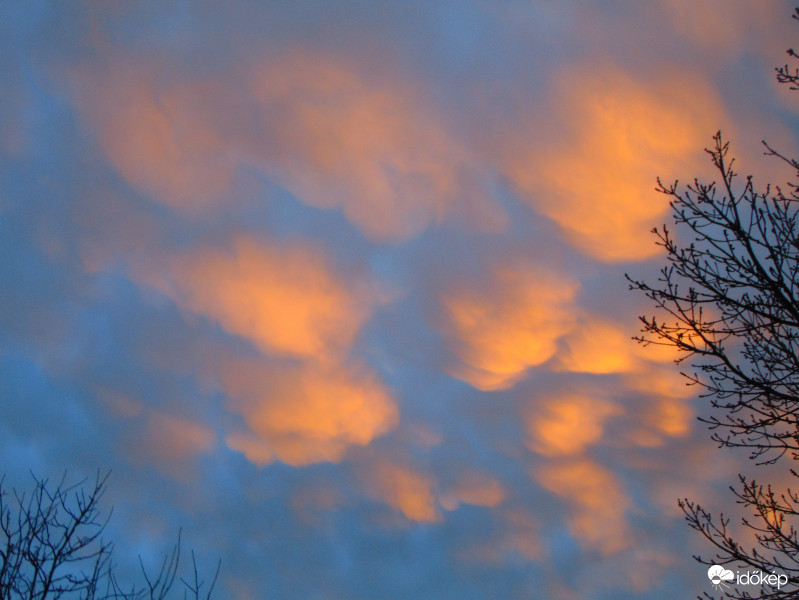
point(728, 299)
point(51, 547)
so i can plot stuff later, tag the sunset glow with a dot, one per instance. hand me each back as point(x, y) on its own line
point(338, 288)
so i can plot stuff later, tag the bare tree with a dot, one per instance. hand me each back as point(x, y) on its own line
point(728, 299)
point(51, 546)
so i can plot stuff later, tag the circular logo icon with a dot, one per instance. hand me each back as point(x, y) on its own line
point(718, 575)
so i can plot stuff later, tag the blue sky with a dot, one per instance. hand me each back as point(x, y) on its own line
point(338, 288)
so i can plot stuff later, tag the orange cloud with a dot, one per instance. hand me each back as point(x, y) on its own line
point(159, 135)
point(662, 408)
point(672, 417)
point(405, 489)
point(664, 381)
point(701, 23)
point(565, 425)
point(322, 127)
point(618, 135)
point(722, 35)
point(475, 489)
point(665, 411)
point(305, 414)
point(287, 301)
point(372, 148)
point(500, 328)
point(598, 503)
point(597, 346)
point(602, 347)
point(302, 401)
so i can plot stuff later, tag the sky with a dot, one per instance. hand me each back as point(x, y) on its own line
point(338, 288)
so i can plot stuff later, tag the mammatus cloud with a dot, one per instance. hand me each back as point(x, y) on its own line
point(598, 346)
point(322, 127)
point(602, 347)
point(419, 494)
point(642, 400)
point(499, 327)
point(301, 398)
point(667, 411)
point(404, 488)
point(287, 300)
point(596, 179)
point(597, 502)
point(160, 134)
point(371, 146)
point(565, 425)
point(305, 413)
point(196, 203)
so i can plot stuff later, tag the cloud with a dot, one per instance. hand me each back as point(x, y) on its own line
point(499, 327)
point(476, 489)
point(404, 488)
point(565, 425)
point(514, 533)
point(152, 437)
point(159, 134)
point(305, 413)
point(602, 347)
point(724, 38)
point(598, 346)
point(313, 499)
point(199, 237)
point(371, 146)
point(302, 398)
point(287, 300)
point(322, 127)
point(598, 502)
point(596, 179)
point(167, 440)
point(664, 409)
